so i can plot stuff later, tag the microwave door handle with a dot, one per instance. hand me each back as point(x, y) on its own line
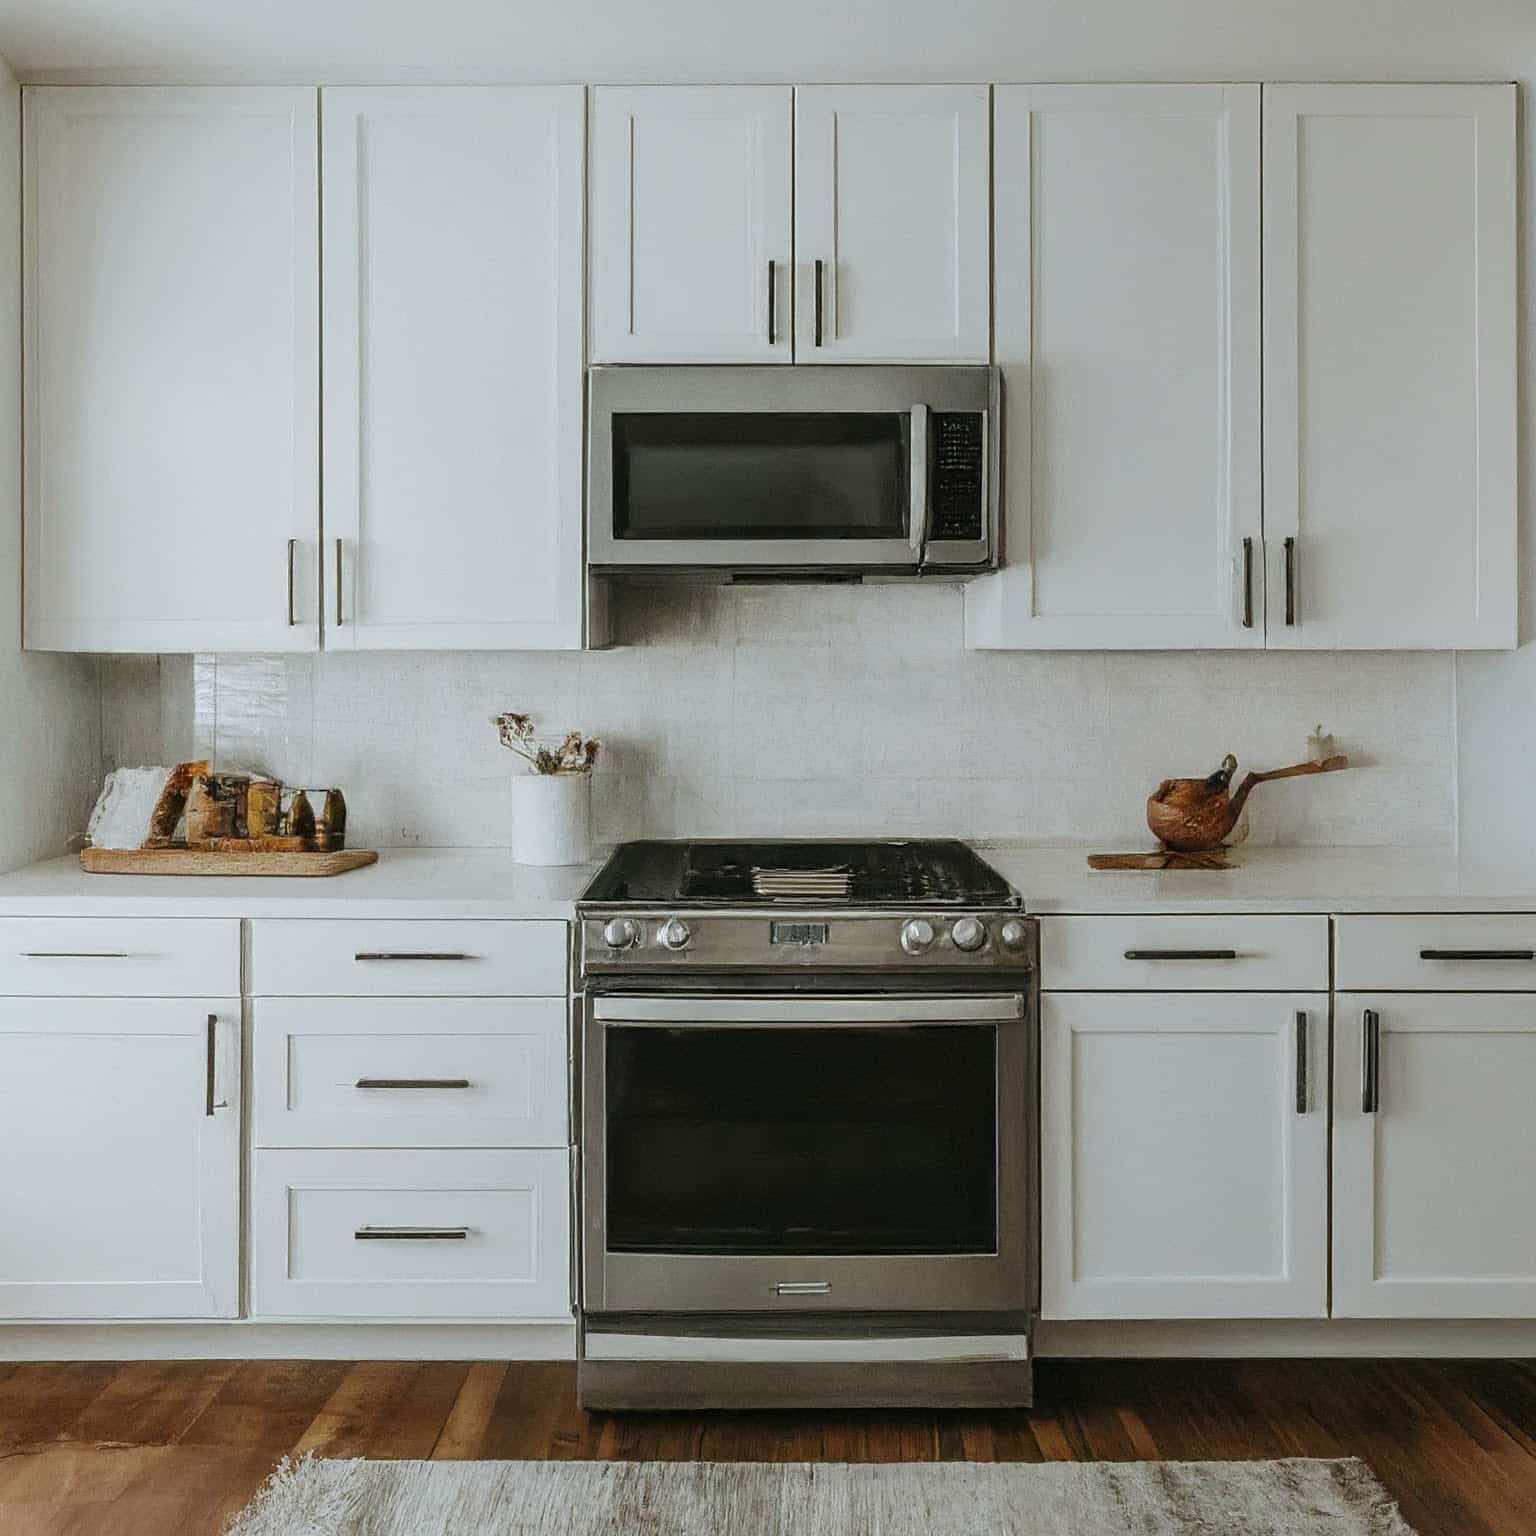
point(918, 475)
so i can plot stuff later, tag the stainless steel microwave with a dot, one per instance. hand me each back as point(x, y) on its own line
point(792, 471)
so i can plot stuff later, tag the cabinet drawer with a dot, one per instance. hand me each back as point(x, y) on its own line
point(1205, 953)
point(402, 1072)
point(398, 1234)
point(119, 957)
point(408, 958)
point(1453, 952)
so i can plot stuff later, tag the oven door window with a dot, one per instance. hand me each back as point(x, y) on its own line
point(852, 1140)
point(773, 475)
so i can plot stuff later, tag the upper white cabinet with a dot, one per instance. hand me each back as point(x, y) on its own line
point(1127, 314)
point(692, 255)
point(172, 368)
point(743, 224)
point(120, 1131)
point(1434, 1158)
point(1389, 365)
point(453, 367)
point(891, 224)
point(1184, 1155)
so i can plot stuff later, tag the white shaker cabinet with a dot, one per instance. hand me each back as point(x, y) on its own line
point(453, 367)
point(891, 224)
point(1184, 1155)
point(1434, 1156)
point(692, 252)
point(171, 335)
point(1389, 365)
point(120, 1136)
point(1127, 327)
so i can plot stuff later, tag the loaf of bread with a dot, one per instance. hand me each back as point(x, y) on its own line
point(172, 802)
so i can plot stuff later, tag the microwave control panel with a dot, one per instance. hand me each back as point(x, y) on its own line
point(957, 491)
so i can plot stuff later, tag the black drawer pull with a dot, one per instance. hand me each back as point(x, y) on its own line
point(1477, 954)
point(412, 1234)
point(1181, 954)
point(411, 1082)
point(1370, 1062)
point(424, 954)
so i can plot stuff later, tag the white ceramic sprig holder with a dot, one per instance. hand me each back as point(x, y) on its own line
point(551, 818)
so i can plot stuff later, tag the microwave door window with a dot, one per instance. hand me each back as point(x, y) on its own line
point(776, 475)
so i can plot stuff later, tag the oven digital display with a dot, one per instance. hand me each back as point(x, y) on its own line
point(797, 933)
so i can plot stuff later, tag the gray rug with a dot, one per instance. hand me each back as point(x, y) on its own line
point(653, 1498)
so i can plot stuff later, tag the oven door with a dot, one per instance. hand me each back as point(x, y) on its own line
point(806, 469)
point(807, 1153)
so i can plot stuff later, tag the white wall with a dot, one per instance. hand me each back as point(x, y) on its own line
point(50, 726)
point(823, 711)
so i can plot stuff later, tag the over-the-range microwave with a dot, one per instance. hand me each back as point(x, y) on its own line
point(793, 471)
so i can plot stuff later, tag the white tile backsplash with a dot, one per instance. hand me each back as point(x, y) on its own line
point(819, 710)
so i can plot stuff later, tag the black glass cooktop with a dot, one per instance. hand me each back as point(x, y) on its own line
point(924, 871)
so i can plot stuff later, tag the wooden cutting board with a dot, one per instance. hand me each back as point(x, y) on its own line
point(207, 861)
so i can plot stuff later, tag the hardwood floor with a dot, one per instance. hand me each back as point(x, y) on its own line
point(169, 1448)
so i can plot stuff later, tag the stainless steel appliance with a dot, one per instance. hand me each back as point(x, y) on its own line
point(819, 472)
point(808, 1127)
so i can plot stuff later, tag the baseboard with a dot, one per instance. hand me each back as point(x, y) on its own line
point(287, 1341)
point(1339, 1338)
point(1342, 1338)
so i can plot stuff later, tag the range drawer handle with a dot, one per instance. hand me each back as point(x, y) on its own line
point(803, 1288)
point(411, 1234)
point(1477, 954)
point(420, 954)
point(1181, 954)
point(412, 1082)
point(75, 954)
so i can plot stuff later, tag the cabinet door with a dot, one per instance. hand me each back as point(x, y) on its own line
point(1389, 364)
point(120, 1136)
point(1184, 1155)
point(891, 198)
point(691, 246)
point(172, 369)
point(453, 409)
point(1432, 1186)
point(1127, 277)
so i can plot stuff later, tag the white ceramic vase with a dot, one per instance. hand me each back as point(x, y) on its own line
point(551, 818)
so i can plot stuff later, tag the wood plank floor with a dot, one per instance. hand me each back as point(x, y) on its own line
point(172, 1448)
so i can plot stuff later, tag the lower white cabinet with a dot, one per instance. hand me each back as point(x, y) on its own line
point(1434, 1155)
point(411, 1234)
point(1184, 1155)
point(120, 1141)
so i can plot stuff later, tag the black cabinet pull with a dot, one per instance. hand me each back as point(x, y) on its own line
point(1247, 583)
point(1370, 1062)
point(1181, 954)
point(819, 266)
point(1290, 581)
point(772, 296)
point(1301, 1062)
point(1477, 954)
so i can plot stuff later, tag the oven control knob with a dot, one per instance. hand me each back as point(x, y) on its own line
point(1013, 934)
point(969, 933)
point(916, 935)
point(673, 934)
point(621, 932)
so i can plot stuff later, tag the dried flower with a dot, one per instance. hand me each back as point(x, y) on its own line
point(574, 754)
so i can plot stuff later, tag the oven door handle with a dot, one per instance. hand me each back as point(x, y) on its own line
point(801, 1011)
point(917, 531)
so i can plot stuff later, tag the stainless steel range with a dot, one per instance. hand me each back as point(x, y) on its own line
point(808, 1127)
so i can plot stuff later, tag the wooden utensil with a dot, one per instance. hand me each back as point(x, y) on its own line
point(1192, 815)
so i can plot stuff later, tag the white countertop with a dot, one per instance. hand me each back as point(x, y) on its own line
point(463, 882)
point(1058, 880)
point(406, 882)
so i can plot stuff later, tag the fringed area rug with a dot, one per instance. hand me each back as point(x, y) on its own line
point(652, 1498)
